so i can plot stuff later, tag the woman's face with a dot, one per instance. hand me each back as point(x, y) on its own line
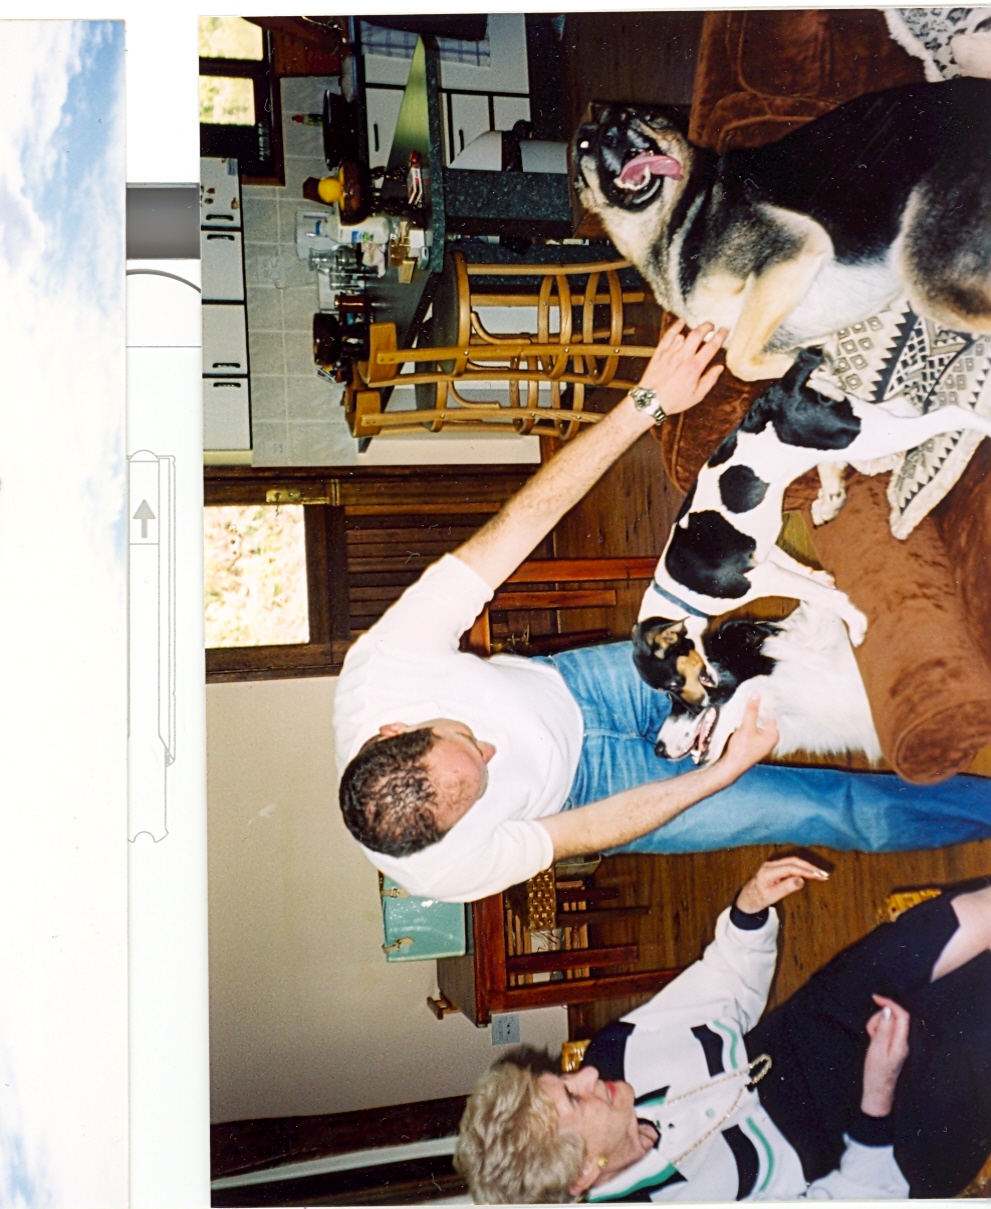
point(602, 1113)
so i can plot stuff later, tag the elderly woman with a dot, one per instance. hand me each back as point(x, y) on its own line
point(873, 1081)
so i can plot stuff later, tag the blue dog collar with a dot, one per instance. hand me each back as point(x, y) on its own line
point(672, 599)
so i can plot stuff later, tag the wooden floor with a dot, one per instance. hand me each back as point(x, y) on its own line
point(650, 57)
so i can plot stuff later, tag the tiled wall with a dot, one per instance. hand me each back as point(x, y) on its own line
point(297, 418)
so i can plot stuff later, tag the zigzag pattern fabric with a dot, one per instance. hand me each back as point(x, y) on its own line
point(895, 352)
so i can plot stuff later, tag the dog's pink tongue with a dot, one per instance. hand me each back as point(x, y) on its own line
point(641, 166)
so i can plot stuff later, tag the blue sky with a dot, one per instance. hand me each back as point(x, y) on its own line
point(63, 998)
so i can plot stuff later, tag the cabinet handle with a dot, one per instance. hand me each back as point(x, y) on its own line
point(461, 140)
point(375, 131)
point(222, 385)
point(223, 235)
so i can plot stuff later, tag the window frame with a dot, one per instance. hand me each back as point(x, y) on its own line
point(217, 139)
point(329, 494)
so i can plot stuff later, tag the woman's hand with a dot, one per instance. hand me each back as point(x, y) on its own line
point(675, 371)
point(775, 880)
point(886, 1054)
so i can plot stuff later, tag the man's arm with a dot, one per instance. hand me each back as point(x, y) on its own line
point(677, 372)
point(635, 812)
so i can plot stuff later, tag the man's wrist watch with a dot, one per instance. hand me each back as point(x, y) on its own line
point(646, 400)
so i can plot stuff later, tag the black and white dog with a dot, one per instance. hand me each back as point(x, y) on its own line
point(805, 674)
point(722, 550)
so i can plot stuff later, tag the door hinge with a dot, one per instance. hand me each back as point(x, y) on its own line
point(299, 495)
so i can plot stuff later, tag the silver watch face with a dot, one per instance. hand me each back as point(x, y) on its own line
point(644, 398)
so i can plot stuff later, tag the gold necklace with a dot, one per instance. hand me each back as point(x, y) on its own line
point(763, 1060)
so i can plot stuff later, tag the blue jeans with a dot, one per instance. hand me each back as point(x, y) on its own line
point(866, 812)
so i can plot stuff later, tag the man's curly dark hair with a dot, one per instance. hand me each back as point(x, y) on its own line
point(387, 798)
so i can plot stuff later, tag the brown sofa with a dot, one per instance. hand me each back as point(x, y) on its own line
point(928, 599)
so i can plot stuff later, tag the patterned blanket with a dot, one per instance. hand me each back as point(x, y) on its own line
point(928, 33)
point(895, 352)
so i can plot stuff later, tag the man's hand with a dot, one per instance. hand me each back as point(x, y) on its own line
point(775, 880)
point(675, 371)
point(886, 1054)
point(748, 744)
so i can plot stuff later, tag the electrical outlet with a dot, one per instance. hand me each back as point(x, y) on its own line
point(506, 1029)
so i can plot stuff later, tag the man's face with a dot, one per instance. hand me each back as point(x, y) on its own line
point(456, 765)
point(602, 1113)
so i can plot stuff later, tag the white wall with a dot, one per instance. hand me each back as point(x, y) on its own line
point(306, 1014)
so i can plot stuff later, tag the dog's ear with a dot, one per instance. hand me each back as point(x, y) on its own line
point(658, 634)
point(806, 363)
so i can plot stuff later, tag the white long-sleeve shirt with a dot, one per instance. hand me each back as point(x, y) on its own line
point(408, 668)
point(718, 1143)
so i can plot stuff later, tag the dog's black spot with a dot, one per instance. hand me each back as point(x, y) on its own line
point(710, 557)
point(686, 503)
point(801, 416)
point(726, 449)
point(735, 650)
point(740, 489)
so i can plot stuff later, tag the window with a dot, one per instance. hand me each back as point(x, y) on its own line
point(255, 572)
point(240, 113)
point(350, 544)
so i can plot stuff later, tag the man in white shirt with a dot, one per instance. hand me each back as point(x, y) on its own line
point(428, 723)
point(461, 776)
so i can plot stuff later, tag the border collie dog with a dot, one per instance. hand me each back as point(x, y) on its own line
point(804, 671)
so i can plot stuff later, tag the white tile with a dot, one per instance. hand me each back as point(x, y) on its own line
point(298, 168)
point(265, 308)
point(299, 139)
point(299, 354)
point(322, 445)
point(313, 399)
point(260, 219)
point(298, 306)
point(268, 398)
point(304, 93)
point(270, 443)
point(260, 191)
point(265, 350)
point(263, 264)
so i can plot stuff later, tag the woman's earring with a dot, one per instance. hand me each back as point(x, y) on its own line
point(602, 1160)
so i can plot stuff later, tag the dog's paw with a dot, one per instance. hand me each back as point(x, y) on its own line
point(856, 624)
point(827, 506)
point(822, 577)
point(755, 369)
point(824, 384)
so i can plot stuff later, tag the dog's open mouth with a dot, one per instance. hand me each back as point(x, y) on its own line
point(638, 172)
point(700, 747)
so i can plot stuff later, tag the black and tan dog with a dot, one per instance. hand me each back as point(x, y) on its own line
point(889, 194)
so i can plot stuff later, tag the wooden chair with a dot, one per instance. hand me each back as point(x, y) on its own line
point(527, 588)
point(583, 350)
point(503, 973)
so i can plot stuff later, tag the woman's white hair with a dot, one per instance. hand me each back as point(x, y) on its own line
point(510, 1149)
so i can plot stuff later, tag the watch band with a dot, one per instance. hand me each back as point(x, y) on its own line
point(646, 400)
